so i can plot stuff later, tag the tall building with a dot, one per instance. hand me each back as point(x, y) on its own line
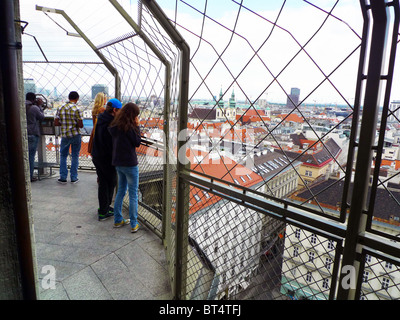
point(293, 98)
point(228, 235)
point(99, 88)
point(308, 258)
point(55, 93)
point(29, 86)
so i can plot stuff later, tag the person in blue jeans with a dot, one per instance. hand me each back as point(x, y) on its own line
point(69, 118)
point(34, 114)
point(126, 138)
point(75, 144)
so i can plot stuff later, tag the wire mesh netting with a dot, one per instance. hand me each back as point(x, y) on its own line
point(271, 138)
point(242, 59)
point(379, 278)
point(274, 111)
point(309, 262)
point(52, 81)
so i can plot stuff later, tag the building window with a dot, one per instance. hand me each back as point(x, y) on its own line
point(328, 263)
point(206, 194)
point(297, 233)
point(243, 179)
point(309, 276)
point(197, 198)
point(235, 233)
point(325, 284)
point(368, 258)
point(385, 283)
point(311, 256)
point(388, 265)
point(365, 276)
point(313, 238)
point(331, 244)
point(237, 182)
point(308, 173)
point(295, 251)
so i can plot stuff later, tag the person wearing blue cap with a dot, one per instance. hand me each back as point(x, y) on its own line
point(102, 159)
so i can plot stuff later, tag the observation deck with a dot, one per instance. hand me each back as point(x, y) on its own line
point(93, 260)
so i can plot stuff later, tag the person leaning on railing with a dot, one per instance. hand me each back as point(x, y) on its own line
point(102, 159)
point(126, 138)
point(69, 118)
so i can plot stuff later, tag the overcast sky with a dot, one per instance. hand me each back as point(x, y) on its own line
point(222, 60)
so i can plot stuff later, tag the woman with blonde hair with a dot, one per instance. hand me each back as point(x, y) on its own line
point(126, 138)
point(98, 107)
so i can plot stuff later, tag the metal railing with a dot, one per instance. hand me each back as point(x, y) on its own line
point(233, 224)
point(150, 154)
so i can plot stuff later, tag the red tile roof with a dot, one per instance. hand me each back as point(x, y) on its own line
point(293, 117)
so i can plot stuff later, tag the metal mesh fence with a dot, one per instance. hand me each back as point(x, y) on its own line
point(255, 131)
point(302, 140)
point(52, 81)
point(379, 277)
point(55, 79)
point(310, 265)
point(245, 254)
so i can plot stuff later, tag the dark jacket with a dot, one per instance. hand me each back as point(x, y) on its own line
point(34, 114)
point(102, 141)
point(124, 147)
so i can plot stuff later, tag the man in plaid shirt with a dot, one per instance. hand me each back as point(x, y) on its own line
point(69, 117)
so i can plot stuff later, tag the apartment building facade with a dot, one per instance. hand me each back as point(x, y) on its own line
point(307, 269)
point(228, 234)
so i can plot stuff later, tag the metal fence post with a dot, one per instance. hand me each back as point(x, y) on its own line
point(166, 165)
point(166, 156)
point(357, 218)
point(17, 268)
point(182, 195)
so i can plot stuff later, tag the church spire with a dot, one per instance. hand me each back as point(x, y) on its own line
point(232, 100)
point(221, 100)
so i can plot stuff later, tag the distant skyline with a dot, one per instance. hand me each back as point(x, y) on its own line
point(295, 27)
